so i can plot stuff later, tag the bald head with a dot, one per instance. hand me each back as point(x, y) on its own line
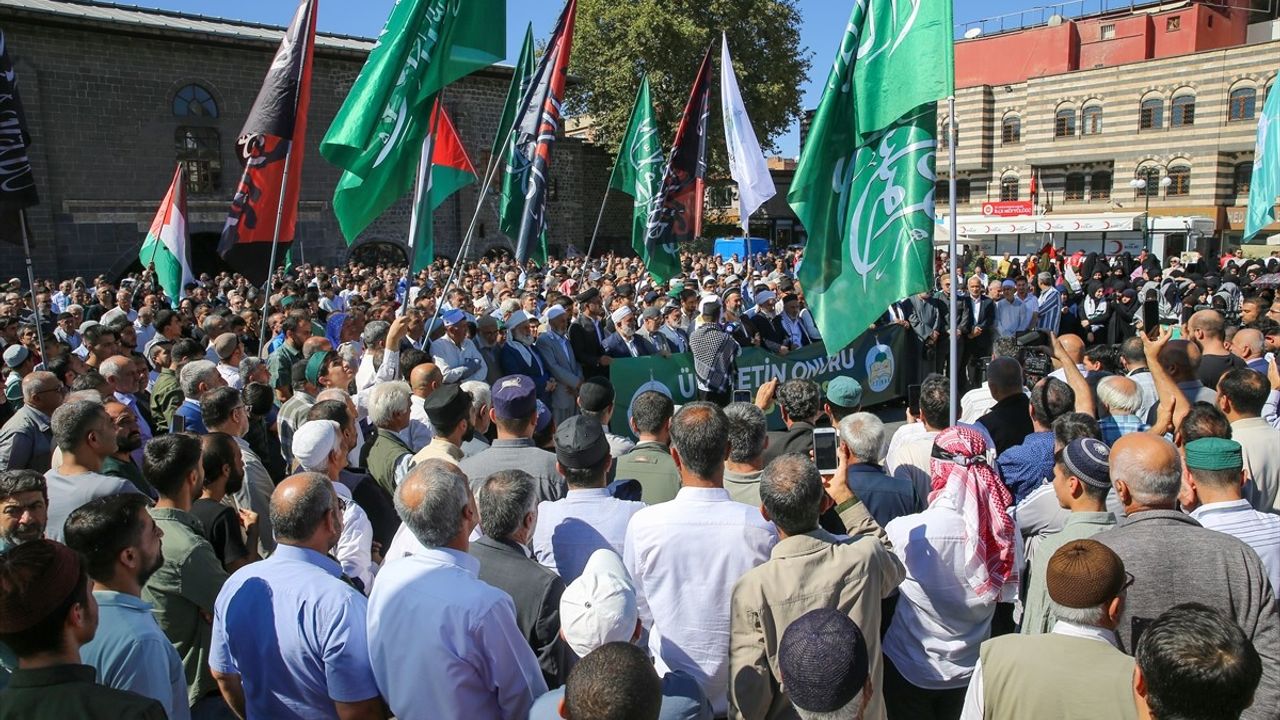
point(1207, 325)
point(300, 505)
point(1181, 359)
point(1004, 377)
point(1074, 346)
point(1148, 470)
point(424, 379)
point(1247, 344)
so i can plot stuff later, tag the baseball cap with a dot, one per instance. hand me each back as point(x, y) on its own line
point(599, 606)
point(453, 317)
point(514, 397)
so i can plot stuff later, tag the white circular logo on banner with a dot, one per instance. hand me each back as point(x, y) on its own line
point(880, 368)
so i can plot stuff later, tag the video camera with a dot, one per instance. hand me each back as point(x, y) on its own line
point(1035, 356)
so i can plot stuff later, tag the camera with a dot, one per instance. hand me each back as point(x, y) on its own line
point(1034, 356)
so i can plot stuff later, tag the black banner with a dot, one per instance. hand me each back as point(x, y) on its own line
point(17, 182)
point(675, 214)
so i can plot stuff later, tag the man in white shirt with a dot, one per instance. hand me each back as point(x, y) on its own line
point(423, 380)
point(1012, 317)
point(909, 456)
point(1212, 480)
point(1241, 396)
point(464, 630)
point(455, 354)
point(686, 554)
point(317, 446)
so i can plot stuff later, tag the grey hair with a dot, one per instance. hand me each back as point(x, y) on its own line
point(248, 364)
point(481, 397)
point(748, 431)
point(1044, 278)
point(863, 433)
point(1149, 485)
point(1093, 616)
point(504, 499)
point(508, 306)
point(1120, 394)
point(71, 422)
point(89, 396)
point(350, 353)
point(375, 333)
point(113, 366)
point(441, 494)
point(791, 490)
point(387, 400)
point(849, 711)
point(192, 374)
point(298, 519)
point(338, 394)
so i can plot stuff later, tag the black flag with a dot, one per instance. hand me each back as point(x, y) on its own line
point(17, 182)
point(675, 213)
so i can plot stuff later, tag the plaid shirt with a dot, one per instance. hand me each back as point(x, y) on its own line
point(1115, 427)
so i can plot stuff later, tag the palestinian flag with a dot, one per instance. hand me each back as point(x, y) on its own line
point(166, 249)
point(450, 171)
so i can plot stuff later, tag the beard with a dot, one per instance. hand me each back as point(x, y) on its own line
point(235, 482)
point(129, 443)
point(144, 574)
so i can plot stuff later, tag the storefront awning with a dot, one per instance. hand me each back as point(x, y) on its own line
point(969, 225)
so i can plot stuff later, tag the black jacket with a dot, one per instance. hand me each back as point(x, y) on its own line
point(1009, 421)
point(536, 591)
point(587, 347)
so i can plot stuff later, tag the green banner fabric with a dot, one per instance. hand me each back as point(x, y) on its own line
point(875, 359)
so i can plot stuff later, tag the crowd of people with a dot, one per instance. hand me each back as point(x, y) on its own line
point(393, 496)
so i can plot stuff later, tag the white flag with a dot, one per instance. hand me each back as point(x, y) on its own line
point(746, 161)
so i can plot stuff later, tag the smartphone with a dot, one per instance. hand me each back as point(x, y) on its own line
point(1151, 315)
point(824, 450)
point(743, 396)
point(179, 424)
point(913, 399)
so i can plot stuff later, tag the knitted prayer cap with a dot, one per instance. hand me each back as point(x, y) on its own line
point(1084, 574)
point(1088, 459)
point(1212, 453)
point(35, 579)
point(823, 660)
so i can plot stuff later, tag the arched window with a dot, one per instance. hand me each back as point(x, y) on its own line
point(1064, 122)
point(1151, 174)
point(1151, 114)
point(1074, 187)
point(1242, 103)
point(198, 149)
point(1242, 178)
point(1184, 110)
point(1009, 188)
point(1011, 130)
point(944, 136)
point(1091, 120)
point(194, 101)
point(1180, 185)
point(1100, 185)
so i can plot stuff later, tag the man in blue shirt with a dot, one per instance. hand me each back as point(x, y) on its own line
point(1025, 467)
point(886, 497)
point(130, 652)
point(289, 632)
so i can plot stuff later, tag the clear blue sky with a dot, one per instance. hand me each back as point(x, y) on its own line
point(824, 22)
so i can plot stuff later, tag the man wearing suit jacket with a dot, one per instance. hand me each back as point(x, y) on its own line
point(508, 502)
point(767, 325)
point(925, 320)
point(586, 335)
point(518, 357)
point(624, 342)
point(557, 354)
point(977, 330)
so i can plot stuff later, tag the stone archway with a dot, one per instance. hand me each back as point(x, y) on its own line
point(378, 252)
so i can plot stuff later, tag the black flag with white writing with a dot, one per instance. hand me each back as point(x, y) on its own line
point(17, 182)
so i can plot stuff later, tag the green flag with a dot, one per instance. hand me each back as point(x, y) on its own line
point(520, 77)
point(377, 135)
point(864, 188)
point(1265, 184)
point(638, 173)
point(511, 202)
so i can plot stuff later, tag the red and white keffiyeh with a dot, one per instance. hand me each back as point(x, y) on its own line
point(962, 469)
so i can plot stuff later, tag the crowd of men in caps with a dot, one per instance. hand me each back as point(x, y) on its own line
point(411, 503)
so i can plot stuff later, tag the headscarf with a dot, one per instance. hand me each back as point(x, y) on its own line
point(961, 469)
point(333, 328)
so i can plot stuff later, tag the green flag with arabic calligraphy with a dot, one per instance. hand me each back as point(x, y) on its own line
point(638, 173)
point(864, 188)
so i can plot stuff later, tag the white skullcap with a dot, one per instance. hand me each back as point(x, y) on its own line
point(552, 313)
point(621, 314)
point(599, 607)
point(765, 296)
point(518, 317)
point(313, 442)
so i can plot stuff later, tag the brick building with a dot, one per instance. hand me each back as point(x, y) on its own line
point(116, 95)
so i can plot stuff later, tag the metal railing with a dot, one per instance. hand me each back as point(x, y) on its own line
point(1075, 9)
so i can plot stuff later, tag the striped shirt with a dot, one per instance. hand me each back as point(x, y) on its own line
point(1050, 309)
point(1116, 426)
point(1258, 530)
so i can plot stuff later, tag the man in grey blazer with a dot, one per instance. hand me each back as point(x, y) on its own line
point(26, 439)
point(557, 355)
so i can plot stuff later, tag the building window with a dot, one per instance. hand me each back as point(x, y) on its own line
point(944, 140)
point(1009, 188)
point(962, 191)
point(1151, 116)
point(1091, 120)
point(1152, 175)
point(1242, 177)
point(1108, 31)
point(720, 197)
point(1180, 185)
point(198, 150)
point(1173, 24)
point(942, 191)
point(1064, 123)
point(194, 101)
point(1184, 111)
point(1074, 187)
point(1242, 104)
point(1011, 130)
point(1100, 186)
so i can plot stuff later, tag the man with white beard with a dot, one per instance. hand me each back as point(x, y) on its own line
point(518, 357)
point(557, 353)
point(624, 342)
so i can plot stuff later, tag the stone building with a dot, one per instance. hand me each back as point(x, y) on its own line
point(115, 96)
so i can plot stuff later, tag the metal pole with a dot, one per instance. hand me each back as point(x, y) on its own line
point(31, 283)
point(951, 259)
point(420, 187)
point(275, 247)
point(599, 217)
point(1146, 215)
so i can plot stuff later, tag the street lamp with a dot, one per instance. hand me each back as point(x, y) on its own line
point(1140, 183)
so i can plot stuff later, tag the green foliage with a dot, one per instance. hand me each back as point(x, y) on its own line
point(616, 42)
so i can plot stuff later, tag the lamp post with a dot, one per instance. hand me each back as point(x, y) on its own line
point(1140, 184)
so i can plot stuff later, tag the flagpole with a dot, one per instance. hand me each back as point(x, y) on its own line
point(419, 187)
point(275, 248)
point(599, 217)
point(952, 231)
point(31, 283)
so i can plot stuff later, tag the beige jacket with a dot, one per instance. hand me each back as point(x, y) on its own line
point(803, 573)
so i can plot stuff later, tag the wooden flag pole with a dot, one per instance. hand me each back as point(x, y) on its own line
point(31, 284)
point(421, 186)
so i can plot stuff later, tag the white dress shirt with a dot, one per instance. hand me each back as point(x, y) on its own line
point(370, 373)
point(583, 521)
point(974, 705)
point(685, 556)
point(466, 660)
point(231, 375)
point(354, 550)
point(419, 433)
point(1258, 530)
point(911, 458)
point(452, 360)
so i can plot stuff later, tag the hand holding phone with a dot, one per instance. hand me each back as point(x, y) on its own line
point(825, 454)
